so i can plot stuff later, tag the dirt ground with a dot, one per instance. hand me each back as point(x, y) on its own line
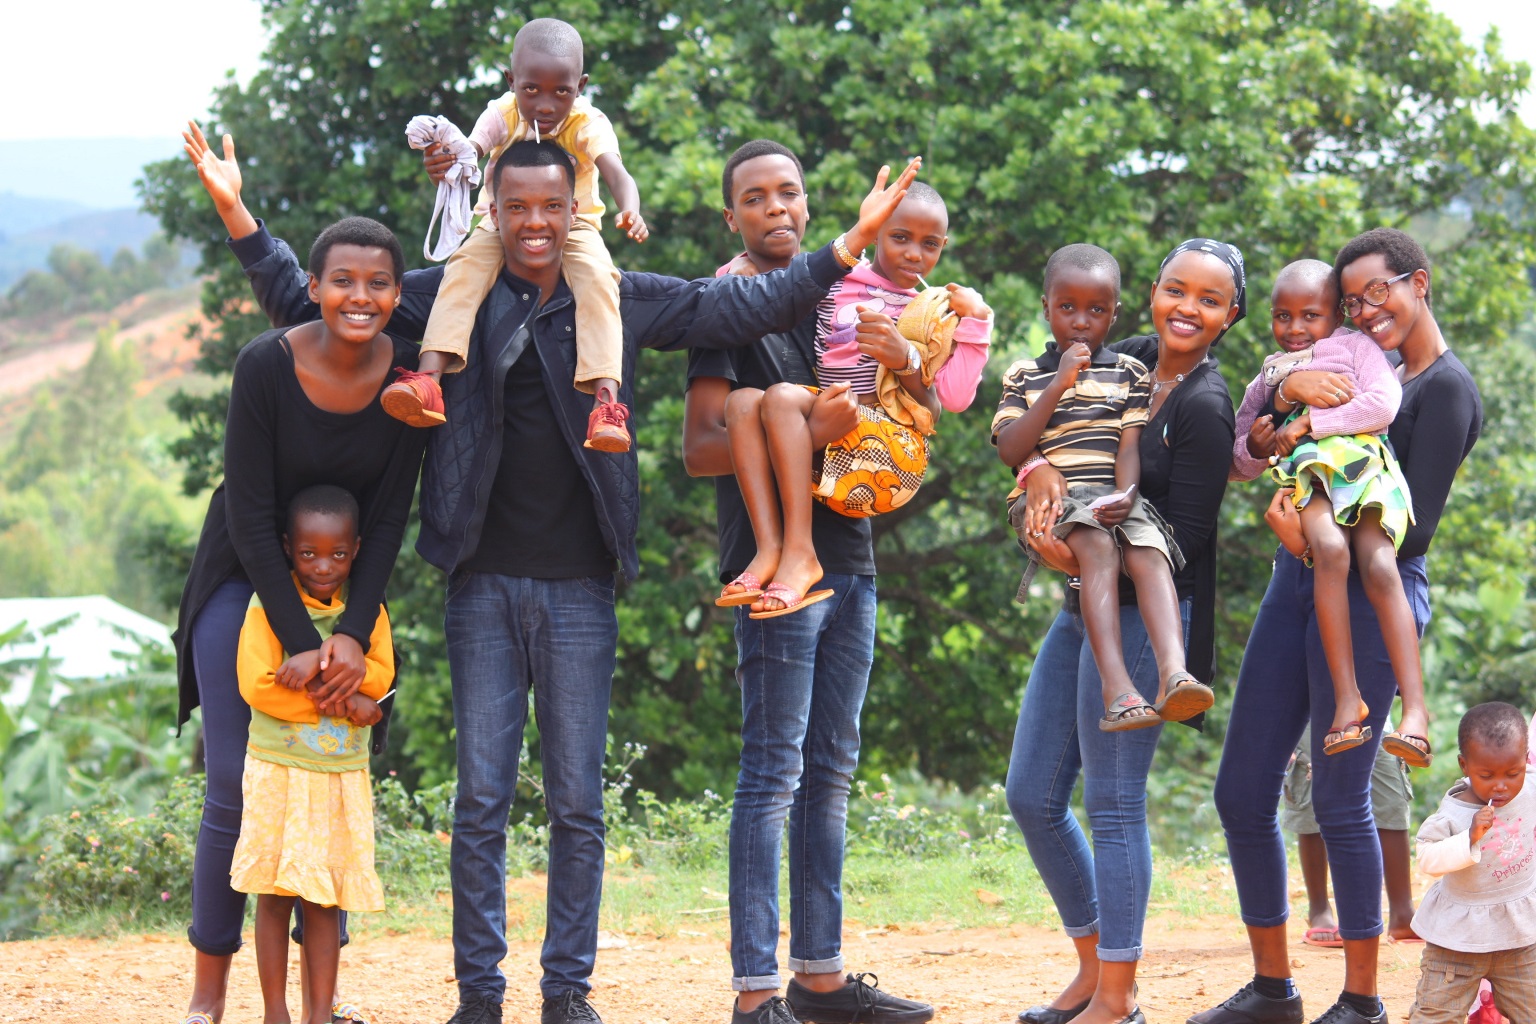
point(974, 975)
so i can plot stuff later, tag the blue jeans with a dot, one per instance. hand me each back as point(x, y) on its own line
point(1284, 683)
point(1058, 738)
point(508, 635)
point(803, 678)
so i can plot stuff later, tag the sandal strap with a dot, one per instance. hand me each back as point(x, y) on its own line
point(197, 1017)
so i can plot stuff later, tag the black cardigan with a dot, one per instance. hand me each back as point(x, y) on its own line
point(276, 444)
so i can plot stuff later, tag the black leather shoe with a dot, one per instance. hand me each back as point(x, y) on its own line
point(1049, 1014)
point(1249, 1007)
point(860, 1001)
point(1136, 1017)
point(475, 1009)
point(1343, 1013)
point(569, 1008)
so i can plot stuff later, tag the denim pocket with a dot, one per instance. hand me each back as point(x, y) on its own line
point(456, 581)
point(600, 587)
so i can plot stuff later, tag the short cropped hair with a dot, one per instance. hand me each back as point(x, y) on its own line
point(1403, 255)
point(751, 151)
point(1082, 256)
point(1495, 725)
point(324, 500)
point(551, 37)
point(363, 231)
point(922, 192)
point(529, 153)
point(1310, 272)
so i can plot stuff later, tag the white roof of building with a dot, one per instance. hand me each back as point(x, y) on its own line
point(86, 637)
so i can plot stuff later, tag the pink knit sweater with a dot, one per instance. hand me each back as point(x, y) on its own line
point(1345, 352)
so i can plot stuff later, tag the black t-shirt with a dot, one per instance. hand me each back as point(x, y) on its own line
point(843, 545)
point(1436, 426)
point(541, 520)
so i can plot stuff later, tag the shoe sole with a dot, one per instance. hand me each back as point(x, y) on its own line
point(408, 409)
point(612, 445)
point(1185, 702)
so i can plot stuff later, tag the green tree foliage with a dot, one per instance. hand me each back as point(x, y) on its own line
point(1285, 126)
point(86, 488)
point(77, 281)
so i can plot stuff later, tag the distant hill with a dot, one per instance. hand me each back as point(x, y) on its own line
point(104, 231)
point(95, 173)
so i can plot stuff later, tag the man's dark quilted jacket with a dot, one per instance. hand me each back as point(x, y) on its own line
point(462, 455)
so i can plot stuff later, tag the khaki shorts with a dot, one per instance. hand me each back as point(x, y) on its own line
point(1391, 793)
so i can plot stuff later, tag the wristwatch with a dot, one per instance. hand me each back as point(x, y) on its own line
point(914, 360)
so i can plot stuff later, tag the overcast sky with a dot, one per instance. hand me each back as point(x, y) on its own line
point(94, 69)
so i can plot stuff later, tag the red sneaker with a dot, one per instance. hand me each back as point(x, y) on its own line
point(414, 398)
point(605, 427)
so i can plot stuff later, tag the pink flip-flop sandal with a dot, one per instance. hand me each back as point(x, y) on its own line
point(753, 591)
point(790, 598)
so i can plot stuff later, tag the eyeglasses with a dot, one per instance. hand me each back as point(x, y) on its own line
point(1375, 293)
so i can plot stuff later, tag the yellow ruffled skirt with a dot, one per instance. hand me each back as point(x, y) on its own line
point(307, 834)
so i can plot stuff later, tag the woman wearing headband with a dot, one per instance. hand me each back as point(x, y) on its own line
point(1384, 278)
point(1101, 894)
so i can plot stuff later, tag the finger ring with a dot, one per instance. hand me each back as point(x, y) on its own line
point(1039, 533)
point(1338, 394)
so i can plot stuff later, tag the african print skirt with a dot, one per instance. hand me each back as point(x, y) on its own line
point(307, 834)
point(875, 467)
point(1358, 472)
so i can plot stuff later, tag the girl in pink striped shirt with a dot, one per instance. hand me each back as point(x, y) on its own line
point(1340, 456)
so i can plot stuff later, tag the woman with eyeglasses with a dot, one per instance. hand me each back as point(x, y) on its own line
point(1384, 278)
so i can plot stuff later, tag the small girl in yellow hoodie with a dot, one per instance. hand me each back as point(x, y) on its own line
point(306, 832)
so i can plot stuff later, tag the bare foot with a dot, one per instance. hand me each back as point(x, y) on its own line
point(1348, 729)
point(1414, 723)
point(1400, 931)
point(763, 566)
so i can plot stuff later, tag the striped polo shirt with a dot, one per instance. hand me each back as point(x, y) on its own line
point(1083, 436)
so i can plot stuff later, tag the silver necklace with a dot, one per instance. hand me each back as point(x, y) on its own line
point(1178, 378)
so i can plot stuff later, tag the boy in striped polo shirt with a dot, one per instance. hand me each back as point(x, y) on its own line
point(1081, 408)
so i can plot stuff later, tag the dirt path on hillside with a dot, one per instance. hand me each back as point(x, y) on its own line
point(161, 343)
point(974, 975)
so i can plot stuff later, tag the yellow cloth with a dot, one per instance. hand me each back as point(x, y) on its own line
point(930, 324)
point(260, 654)
point(586, 134)
point(307, 834)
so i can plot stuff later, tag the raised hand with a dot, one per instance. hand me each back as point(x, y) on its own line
point(220, 178)
point(967, 302)
point(878, 206)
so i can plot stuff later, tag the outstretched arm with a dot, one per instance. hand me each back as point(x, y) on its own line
point(626, 196)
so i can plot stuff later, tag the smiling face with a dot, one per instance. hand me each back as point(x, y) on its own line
point(768, 207)
point(1081, 306)
point(357, 293)
point(321, 547)
point(533, 211)
point(1192, 302)
point(909, 245)
point(1404, 311)
point(545, 87)
point(1303, 312)
point(1496, 775)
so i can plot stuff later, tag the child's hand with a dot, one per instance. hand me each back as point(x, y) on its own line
point(1290, 435)
point(1072, 362)
point(631, 223)
point(967, 302)
point(834, 413)
point(437, 160)
point(221, 178)
point(1283, 518)
point(297, 672)
point(1261, 437)
point(342, 666)
point(742, 266)
point(1115, 512)
point(878, 206)
point(361, 710)
point(1482, 821)
point(879, 339)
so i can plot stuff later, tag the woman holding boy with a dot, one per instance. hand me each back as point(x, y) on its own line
point(1102, 894)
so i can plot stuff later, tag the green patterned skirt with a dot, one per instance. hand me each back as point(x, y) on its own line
point(1358, 472)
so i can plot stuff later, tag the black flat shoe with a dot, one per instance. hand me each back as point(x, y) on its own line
point(1049, 1014)
point(1249, 1007)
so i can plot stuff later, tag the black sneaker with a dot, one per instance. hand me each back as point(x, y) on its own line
point(860, 1001)
point(475, 1009)
point(774, 1011)
point(568, 1008)
point(1343, 1013)
point(1249, 1007)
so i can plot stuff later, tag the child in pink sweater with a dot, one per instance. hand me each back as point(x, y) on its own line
point(905, 356)
point(1339, 456)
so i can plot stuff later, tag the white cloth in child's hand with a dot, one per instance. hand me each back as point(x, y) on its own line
point(453, 202)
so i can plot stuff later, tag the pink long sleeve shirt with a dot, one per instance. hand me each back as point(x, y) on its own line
point(1348, 353)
